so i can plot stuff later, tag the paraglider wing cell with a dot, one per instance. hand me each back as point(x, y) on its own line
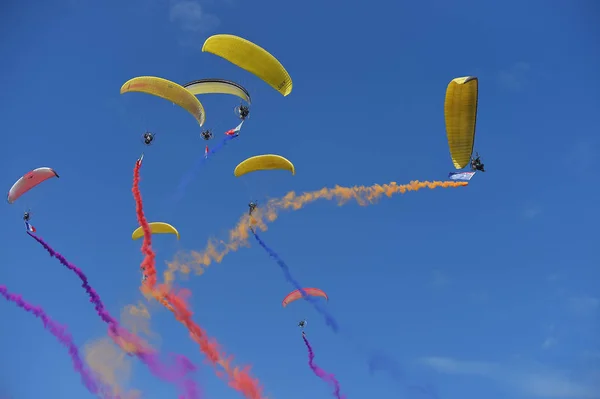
point(263, 162)
point(29, 181)
point(168, 90)
point(251, 58)
point(155, 228)
point(217, 86)
point(460, 113)
point(296, 294)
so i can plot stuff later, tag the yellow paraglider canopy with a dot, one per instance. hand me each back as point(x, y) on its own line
point(264, 162)
point(155, 228)
point(251, 58)
point(460, 112)
point(168, 90)
point(217, 86)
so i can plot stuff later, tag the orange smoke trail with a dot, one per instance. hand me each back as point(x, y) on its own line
point(237, 378)
point(111, 366)
point(238, 236)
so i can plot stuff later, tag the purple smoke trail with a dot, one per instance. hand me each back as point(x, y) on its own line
point(183, 365)
point(59, 332)
point(322, 374)
point(378, 361)
point(94, 297)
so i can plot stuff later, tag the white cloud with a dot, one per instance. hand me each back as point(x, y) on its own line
point(533, 381)
point(555, 385)
point(591, 354)
point(583, 153)
point(532, 211)
point(551, 339)
point(448, 365)
point(439, 278)
point(515, 77)
point(191, 17)
point(549, 343)
point(584, 305)
point(480, 296)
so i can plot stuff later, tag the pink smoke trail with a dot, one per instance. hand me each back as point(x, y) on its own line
point(61, 334)
point(319, 372)
point(174, 375)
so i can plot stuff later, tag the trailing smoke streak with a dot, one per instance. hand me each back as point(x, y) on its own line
point(238, 236)
point(94, 297)
point(61, 334)
point(238, 378)
point(215, 251)
point(111, 365)
point(319, 372)
point(189, 176)
point(125, 339)
point(378, 361)
point(329, 319)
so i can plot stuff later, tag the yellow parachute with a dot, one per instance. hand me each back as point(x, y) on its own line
point(251, 58)
point(217, 86)
point(263, 162)
point(168, 90)
point(460, 112)
point(155, 228)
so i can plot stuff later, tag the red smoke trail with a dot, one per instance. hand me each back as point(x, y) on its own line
point(128, 341)
point(237, 378)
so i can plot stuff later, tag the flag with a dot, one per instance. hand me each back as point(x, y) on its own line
point(461, 175)
point(29, 227)
point(235, 131)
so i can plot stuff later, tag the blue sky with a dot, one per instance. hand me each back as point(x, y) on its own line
point(487, 291)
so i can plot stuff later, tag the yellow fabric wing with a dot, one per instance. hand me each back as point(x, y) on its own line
point(217, 86)
point(264, 162)
point(460, 112)
point(251, 58)
point(155, 228)
point(168, 90)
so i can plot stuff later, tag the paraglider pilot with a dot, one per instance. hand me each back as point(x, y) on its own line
point(252, 206)
point(302, 323)
point(28, 226)
point(148, 138)
point(476, 164)
point(206, 134)
point(243, 112)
